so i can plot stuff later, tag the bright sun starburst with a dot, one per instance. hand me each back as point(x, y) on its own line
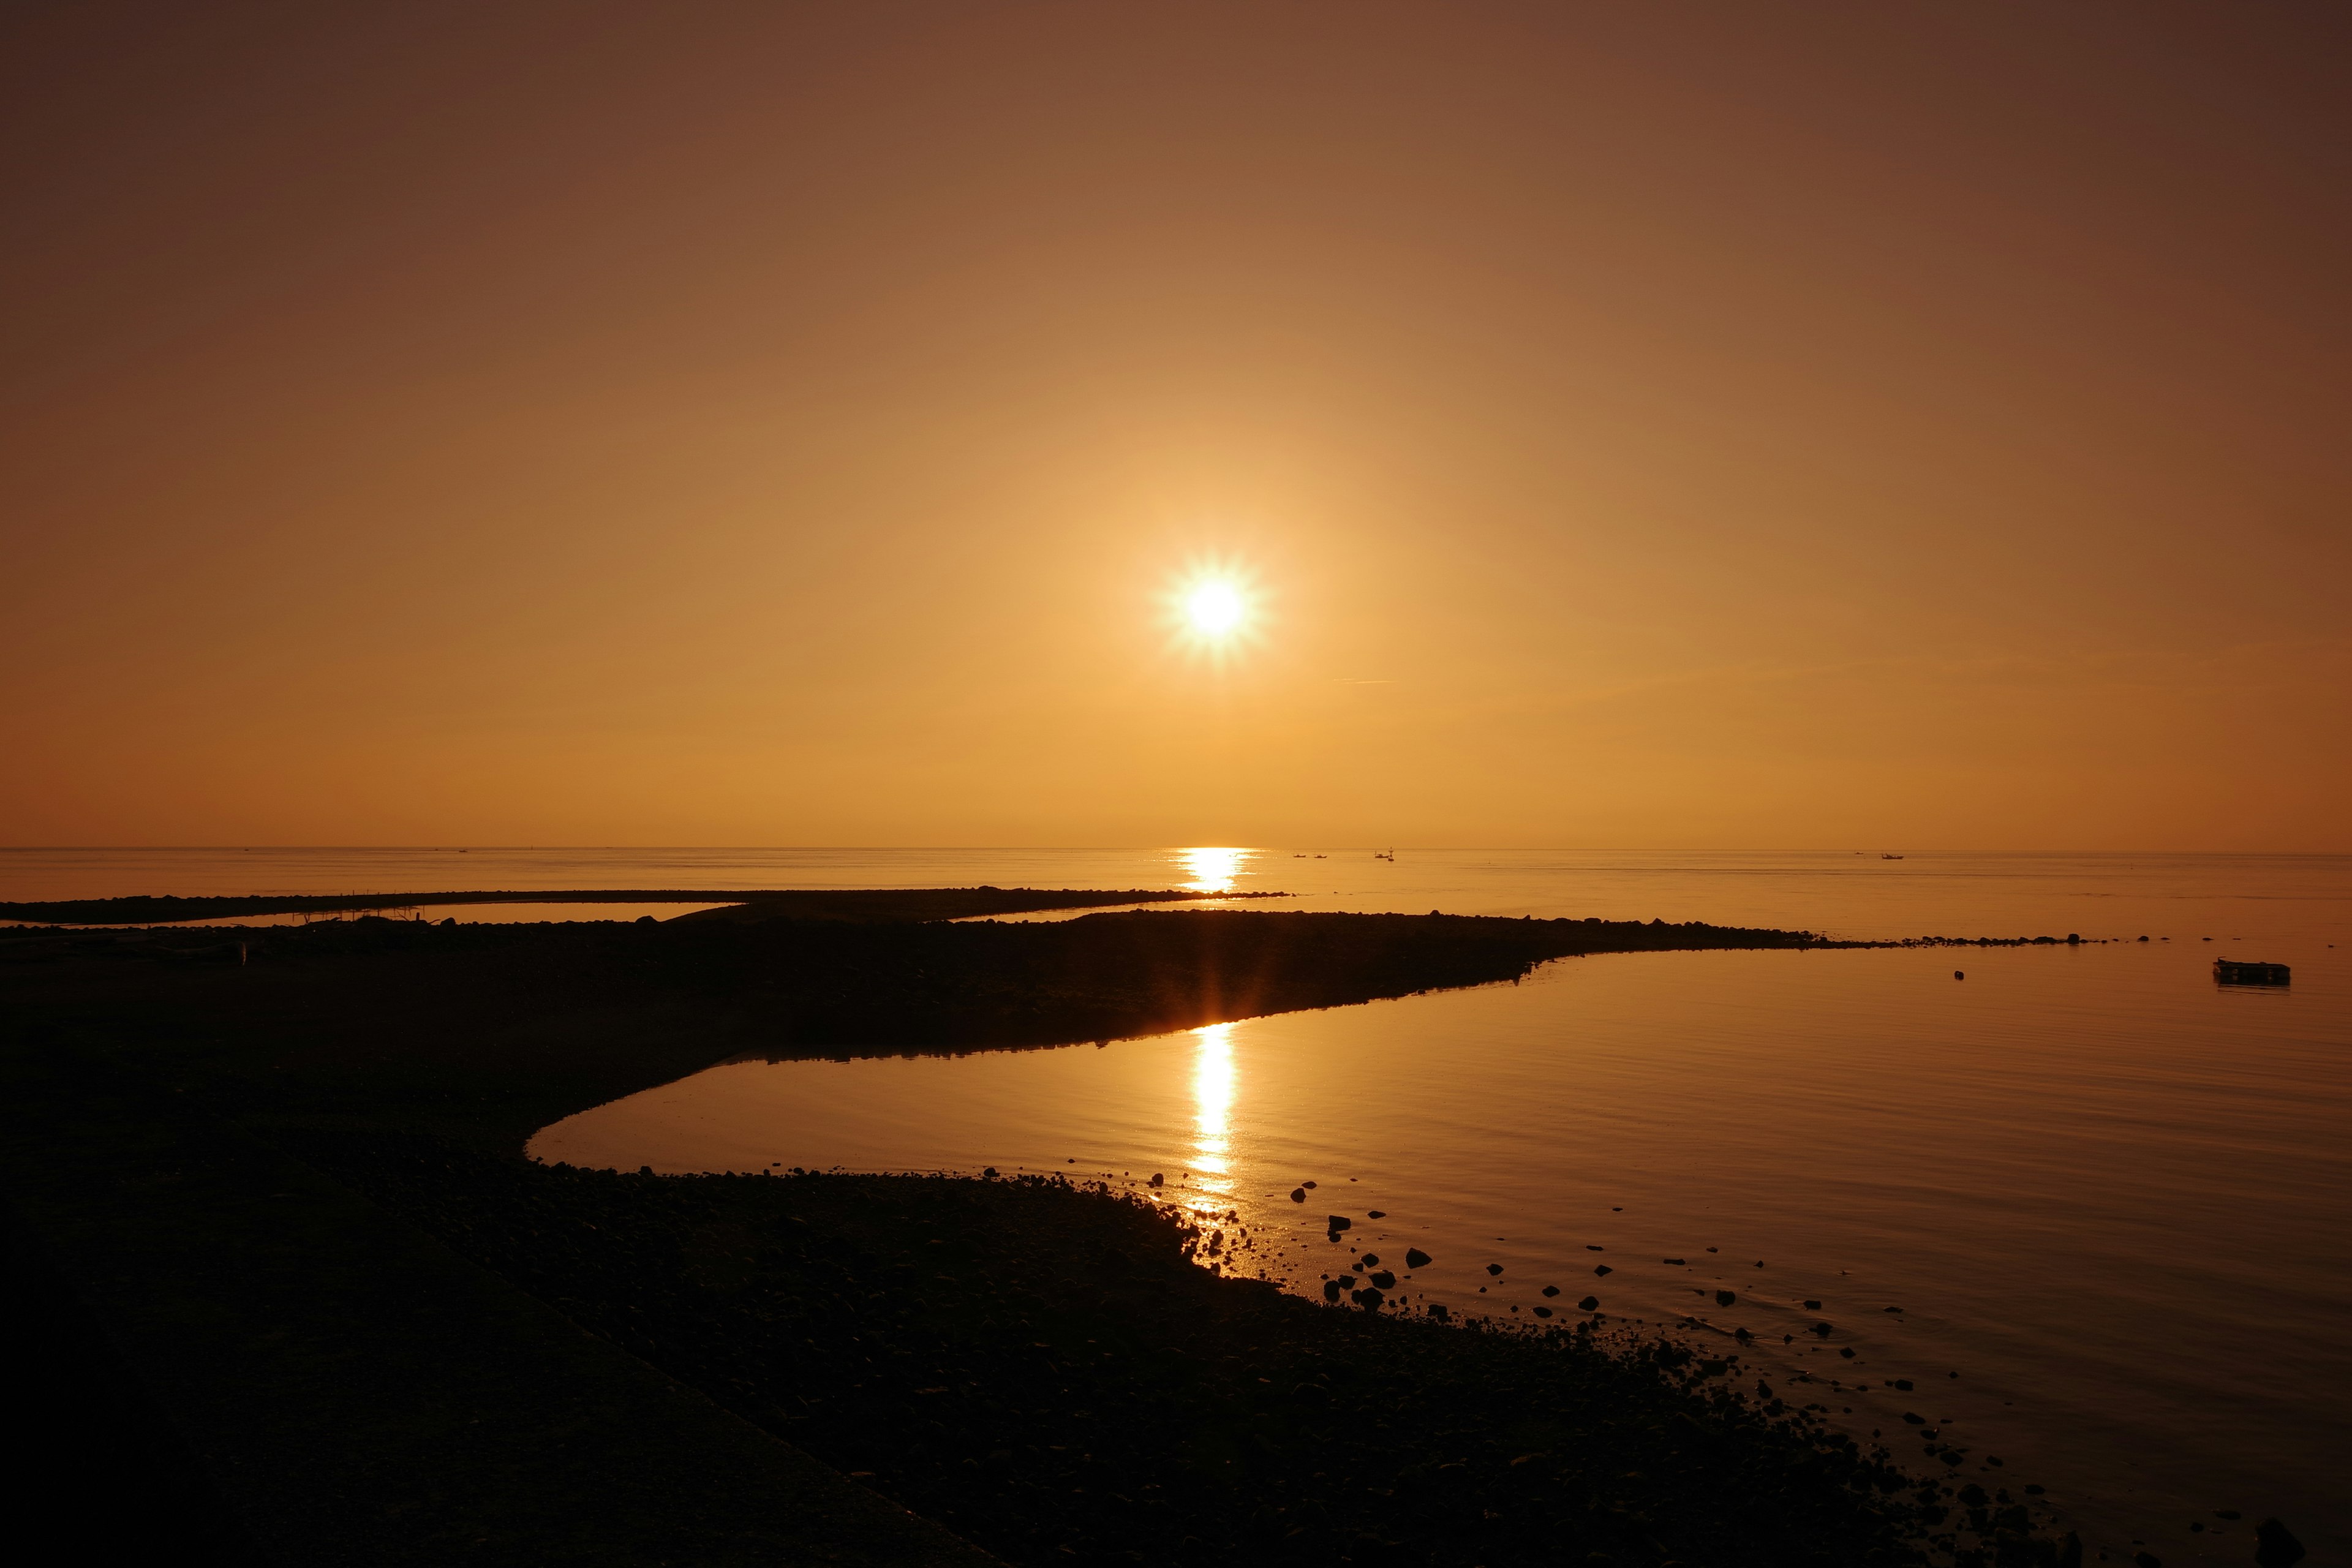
point(1216, 609)
point(1213, 608)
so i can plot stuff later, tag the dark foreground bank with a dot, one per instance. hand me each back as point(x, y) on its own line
point(735, 904)
point(494, 1031)
point(1040, 1368)
point(282, 1175)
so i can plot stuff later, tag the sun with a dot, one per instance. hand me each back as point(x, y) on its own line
point(1214, 609)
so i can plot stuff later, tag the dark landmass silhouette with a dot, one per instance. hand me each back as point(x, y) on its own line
point(280, 1169)
point(751, 904)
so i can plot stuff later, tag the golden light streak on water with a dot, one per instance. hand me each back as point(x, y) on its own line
point(1212, 1105)
point(1212, 867)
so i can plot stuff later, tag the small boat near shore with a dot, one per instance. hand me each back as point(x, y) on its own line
point(2236, 972)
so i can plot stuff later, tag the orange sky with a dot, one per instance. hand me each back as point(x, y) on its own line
point(1644, 425)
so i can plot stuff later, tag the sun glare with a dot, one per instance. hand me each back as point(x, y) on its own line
point(1213, 1108)
point(1212, 867)
point(1214, 609)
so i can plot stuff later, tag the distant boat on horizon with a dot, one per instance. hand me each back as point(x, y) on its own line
point(1890, 857)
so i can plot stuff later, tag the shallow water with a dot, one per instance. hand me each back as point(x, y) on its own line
point(2109, 1193)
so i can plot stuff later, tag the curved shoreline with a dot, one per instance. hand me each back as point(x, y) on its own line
point(405, 1063)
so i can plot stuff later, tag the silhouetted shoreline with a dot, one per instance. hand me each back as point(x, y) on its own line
point(755, 904)
point(931, 1332)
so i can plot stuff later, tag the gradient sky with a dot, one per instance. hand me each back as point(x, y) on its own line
point(1669, 425)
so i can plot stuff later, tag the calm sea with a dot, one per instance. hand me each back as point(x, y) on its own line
point(2089, 1205)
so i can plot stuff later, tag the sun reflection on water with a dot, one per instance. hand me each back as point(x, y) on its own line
point(1213, 1108)
point(1213, 868)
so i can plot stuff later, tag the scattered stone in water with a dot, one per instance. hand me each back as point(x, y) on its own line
point(1904, 1383)
point(1589, 1248)
point(1308, 1186)
point(1384, 1280)
point(1821, 1329)
point(1551, 1289)
point(1543, 1311)
point(1846, 1351)
point(1376, 1214)
point(1493, 1268)
point(2276, 1545)
point(1298, 1194)
point(1602, 1268)
point(1590, 1304)
point(1726, 1298)
point(1676, 1262)
point(1339, 1222)
point(1414, 1257)
point(1372, 1260)
point(1893, 1309)
point(1812, 1306)
point(1158, 1179)
point(1962, 973)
